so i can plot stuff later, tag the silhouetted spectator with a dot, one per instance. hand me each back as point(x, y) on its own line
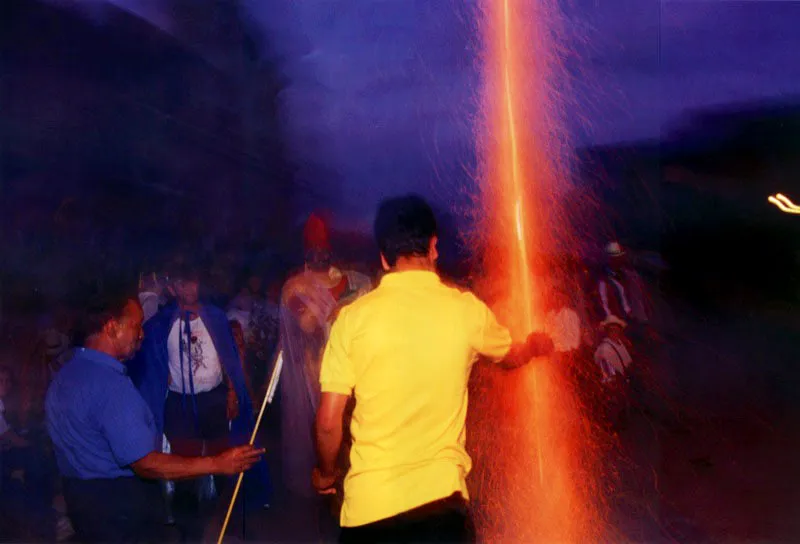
point(621, 293)
point(151, 294)
point(27, 472)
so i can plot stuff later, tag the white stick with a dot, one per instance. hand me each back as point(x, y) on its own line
point(268, 396)
point(275, 378)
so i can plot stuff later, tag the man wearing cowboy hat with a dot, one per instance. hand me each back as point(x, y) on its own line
point(612, 355)
point(614, 360)
point(621, 292)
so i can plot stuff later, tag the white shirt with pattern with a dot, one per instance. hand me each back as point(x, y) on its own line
point(199, 357)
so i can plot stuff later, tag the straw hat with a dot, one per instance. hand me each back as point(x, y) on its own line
point(614, 249)
point(612, 320)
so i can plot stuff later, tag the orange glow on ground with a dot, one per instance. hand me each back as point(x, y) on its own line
point(535, 458)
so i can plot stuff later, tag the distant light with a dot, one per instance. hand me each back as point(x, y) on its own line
point(784, 204)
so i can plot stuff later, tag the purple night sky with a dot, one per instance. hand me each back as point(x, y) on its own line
point(385, 90)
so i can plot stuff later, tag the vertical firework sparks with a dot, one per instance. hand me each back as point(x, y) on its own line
point(534, 469)
point(515, 170)
point(516, 183)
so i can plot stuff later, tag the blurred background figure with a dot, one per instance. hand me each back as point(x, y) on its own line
point(27, 474)
point(621, 293)
point(51, 351)
point(614, 361)
point(612, 354)
point(310, 302)
point(562, 323)
point(190, 373)
point(35, 460)
point(262, 344)
point(152, 293)
point(241, 347)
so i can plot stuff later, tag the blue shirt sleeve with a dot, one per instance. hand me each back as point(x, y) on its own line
point(128, 425)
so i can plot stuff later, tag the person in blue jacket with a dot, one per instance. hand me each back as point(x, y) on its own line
point(190, 374)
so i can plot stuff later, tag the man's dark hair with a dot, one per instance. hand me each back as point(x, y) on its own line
point(184, 269)
point(106, 302)
point(404, 227)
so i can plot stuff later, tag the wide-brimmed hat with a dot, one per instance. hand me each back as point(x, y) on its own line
point(615, 249)
point(612, 320)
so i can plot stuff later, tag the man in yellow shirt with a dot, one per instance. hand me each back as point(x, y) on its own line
point(405, 351)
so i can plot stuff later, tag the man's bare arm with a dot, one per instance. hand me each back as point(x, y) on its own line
point(536, 345)
point(164, 466)
point(329, 430)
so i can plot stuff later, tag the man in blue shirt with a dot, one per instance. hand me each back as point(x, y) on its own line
point(105, 437)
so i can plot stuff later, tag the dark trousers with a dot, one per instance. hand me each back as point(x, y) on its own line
point(445, 520)
point(190, 434)
point(114, 509)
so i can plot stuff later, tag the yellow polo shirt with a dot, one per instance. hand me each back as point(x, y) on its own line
point(406, 350)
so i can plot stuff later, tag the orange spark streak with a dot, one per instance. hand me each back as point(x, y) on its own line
point(784, 204)
point(516, 179)
point(542, 422)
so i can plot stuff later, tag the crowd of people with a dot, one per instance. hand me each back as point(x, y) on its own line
point(140, 421)
point(602, 326)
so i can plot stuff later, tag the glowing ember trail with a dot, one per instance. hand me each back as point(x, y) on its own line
point(784, 204)
point(516, 183)
point(535, 458)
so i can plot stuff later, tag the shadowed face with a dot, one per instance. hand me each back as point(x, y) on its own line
point(616, 262)
point(187, 291)
point(254, 284)
point(614, 332)
point(306, 318)
point(126, 331)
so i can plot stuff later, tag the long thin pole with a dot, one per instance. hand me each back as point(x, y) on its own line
point(268, 396)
